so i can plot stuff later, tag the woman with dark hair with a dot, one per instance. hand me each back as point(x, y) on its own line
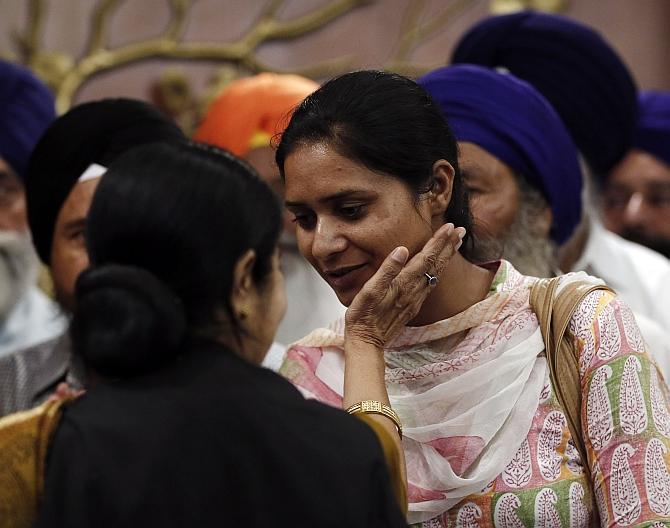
point(369, 164)
point(181, 427)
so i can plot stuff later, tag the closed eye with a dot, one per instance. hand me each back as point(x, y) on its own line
point(305, 220)
point(351, 212)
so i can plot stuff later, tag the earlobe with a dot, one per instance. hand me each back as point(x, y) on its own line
point(443, 181)
point(547, 220)
point(243, 284)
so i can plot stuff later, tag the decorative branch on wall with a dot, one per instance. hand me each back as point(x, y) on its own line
point(66, 75)
point(508, 6)
point(415, 32)
point(172, 91)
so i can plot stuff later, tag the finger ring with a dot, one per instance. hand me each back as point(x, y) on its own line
point(432, 281)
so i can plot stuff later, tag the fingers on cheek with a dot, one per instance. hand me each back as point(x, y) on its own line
point(389, 275)
point(367, 297)
point(401, 294)
point(446, 254)
point(411, 311)
point(430, 261)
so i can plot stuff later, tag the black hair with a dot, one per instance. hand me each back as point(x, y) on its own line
point(166, 227)
point(389, 124)
point(93, 132)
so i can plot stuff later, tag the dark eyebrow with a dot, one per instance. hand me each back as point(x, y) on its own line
point(75, 224)
point(331, 198)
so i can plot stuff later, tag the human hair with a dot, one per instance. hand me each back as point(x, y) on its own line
point(387, 123)
point(524, 243)
point(166, 227)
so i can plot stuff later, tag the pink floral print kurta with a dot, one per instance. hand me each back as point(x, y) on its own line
point(625, 421)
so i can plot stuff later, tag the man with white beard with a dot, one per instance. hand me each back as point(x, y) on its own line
point(522, 171)
point(27, 317)
point(593, 92)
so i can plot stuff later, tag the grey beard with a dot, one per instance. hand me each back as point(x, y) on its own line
point(530, 251)
point(18, 269)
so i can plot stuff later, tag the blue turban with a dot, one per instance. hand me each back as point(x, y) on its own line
point(653, 127)
point(573, 67)
point(509, 119)
point(26, 109)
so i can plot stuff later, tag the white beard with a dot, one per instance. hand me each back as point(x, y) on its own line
point(524, 244)
point(18, 269)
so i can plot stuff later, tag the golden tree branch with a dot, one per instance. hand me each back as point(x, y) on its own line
point(271, 10)
point(409, 34)
point(241, 52)
point(440, 21)
point(28, 43)
point(269, 28)
point(104, 60)
point(325, 68)
point(100, 23)
point(179, 9)
point(416, 33)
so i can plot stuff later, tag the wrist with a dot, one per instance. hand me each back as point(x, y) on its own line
point(357, 346)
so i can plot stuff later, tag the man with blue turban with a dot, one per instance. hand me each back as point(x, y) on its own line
point(519, 163)
point(594, 94)
point(27, 316)
point(636, 195)
point(521, 169)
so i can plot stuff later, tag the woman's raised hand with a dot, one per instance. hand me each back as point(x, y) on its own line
point(394, 294)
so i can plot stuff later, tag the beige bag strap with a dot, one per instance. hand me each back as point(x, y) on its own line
point(554, 314)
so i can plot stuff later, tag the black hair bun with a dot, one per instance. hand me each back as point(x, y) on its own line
point(127, 322)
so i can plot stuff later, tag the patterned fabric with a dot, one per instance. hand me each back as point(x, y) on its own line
point(624, 412)
point(30, 375)
point(24, 440)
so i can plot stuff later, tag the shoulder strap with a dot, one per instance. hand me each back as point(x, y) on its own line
point(554, 313)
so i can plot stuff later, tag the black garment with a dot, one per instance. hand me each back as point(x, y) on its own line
point(213, 441)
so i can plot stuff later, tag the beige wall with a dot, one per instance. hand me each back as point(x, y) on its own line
point(638, 29)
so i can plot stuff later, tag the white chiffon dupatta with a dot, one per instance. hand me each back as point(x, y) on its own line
point(462, 425)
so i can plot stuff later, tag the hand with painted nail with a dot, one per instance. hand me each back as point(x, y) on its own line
point(65, 392)
point(395, 293)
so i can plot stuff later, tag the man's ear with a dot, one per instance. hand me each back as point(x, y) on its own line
point(441, 189)
point(545, 221)
point(243, 285)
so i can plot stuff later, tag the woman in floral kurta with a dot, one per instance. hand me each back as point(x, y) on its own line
point(371, 174)
point(625, 415)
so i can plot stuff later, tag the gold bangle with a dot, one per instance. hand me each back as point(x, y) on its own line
point(375, 407)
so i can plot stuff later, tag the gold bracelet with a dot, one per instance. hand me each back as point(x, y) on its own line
point(375, 407)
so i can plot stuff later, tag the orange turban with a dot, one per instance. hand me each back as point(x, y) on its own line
point(251, 106)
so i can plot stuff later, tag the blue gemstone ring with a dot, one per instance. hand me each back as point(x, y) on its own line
point(432, 281)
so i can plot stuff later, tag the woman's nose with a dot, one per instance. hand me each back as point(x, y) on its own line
point(328, 239)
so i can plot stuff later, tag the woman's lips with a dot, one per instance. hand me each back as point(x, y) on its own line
point(344, 278)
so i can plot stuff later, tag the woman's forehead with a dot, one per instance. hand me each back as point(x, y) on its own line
point(317, 171)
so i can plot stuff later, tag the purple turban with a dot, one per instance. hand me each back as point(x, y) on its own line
point(509, 119)
point(26, 109)
point(573, 67)
point(653, 127)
